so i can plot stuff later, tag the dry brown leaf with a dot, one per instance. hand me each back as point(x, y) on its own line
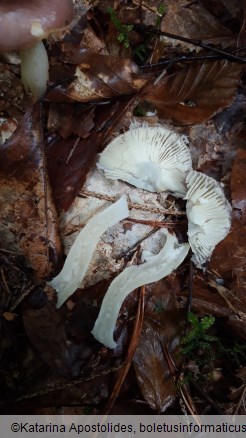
point(67, 119)
point(229, 258)
point(46, 331)
point(28, 216)
point(162, 329)
point(192, 20)
point(97, 76)
point(229, 261)
point(196, 92)
point(238, 184)
point(70, 160)
point(156, 382)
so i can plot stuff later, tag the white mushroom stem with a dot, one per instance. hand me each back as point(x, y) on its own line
point(34, 70)
point(80, 254)
point(155, 268)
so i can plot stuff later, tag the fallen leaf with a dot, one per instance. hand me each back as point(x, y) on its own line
point(70, 160)
point(238, 184)
point(193, 20)
point(96, 77)
point(9, 316)
point(163, 328)
point(241, 41)
point(67, 119)
point(195, 92)
point(229, 260)
point(155, 381)
point(46, 331)
point(28, 217)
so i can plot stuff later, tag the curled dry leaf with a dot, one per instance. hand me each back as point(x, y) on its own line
point(163, 328)
point(28, 217)
point(195, 92)
point(153, 376)
point(98, 76)
point(193, 20)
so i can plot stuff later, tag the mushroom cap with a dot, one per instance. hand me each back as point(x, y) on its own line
point(209, 215)
point(23, 23)
point(152, 158)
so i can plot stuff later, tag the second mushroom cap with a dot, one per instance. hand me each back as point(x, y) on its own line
point(150, 158)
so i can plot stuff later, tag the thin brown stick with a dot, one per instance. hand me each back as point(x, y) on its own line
point(221, 53)
point(241, 401)
point(154, 223)
point(130, 353)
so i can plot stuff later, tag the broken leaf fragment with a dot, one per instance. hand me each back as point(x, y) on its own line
point(79, 257)
point(195, 92)
point(156, 267)
point(28, 219)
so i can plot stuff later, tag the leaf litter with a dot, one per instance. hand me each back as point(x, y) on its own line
point(50, 187)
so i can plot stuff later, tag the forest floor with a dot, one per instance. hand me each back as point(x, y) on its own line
point(181, 340)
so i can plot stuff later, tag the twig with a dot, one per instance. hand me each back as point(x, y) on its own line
point(131, 205)
point(189, 298)
point(154, 223)
point(207, 398)
point(241, 401)
point(183, 390)
point(132, 248)
point(130, 353)
point(159, 65)
point(221, 53)
point(5, 284)
point(21, 298)
point(65, 385)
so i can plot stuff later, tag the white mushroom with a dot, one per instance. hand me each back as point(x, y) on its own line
point(155, 268)
point(80, 254)
point(209, 215)
point(150, 158)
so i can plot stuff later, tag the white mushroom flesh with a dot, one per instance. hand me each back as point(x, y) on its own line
point(154, 269)
point(150, 158)
point(80, 254)
point(34, 70)
point(209, 215)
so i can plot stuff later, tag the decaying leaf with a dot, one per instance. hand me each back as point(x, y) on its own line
point(196, 92)
point(156, 382)
point(70, 160)
point(229, 258)
point(28, 216)
point(193, 20)
point(162, 330)
point(67, 119)
point(238, 184)
point(46, 331)
point(98, 77)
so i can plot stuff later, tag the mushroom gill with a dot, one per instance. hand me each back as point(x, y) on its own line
point(151, 158)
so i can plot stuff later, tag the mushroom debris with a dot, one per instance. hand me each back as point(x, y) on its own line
point(150, 158)
point(80, 254)
point(209, 215)
point(23, 26)
point(154, 269)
